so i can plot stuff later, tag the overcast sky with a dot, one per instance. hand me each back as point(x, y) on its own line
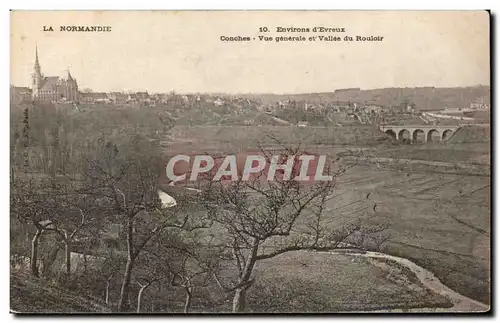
point(181, 51)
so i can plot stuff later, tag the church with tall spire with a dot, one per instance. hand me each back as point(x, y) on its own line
point(52, 88)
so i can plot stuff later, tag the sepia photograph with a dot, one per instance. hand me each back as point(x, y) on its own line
point(258, 162)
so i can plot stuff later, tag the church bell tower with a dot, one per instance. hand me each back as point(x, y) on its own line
point(36, 76)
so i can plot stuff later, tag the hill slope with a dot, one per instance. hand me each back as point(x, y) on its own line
point(32, 295)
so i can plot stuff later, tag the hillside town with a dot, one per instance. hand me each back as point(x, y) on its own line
point(341, 106)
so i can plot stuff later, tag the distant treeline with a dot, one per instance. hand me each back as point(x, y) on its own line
point(424, 98)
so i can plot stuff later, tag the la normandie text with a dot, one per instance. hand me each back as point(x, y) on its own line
point(73, 28)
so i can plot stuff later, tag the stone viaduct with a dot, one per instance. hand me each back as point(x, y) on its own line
point(422, 133)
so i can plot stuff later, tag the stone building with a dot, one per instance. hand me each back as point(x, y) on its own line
point(52, 88)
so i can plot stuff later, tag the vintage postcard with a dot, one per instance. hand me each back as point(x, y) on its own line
point(250, 162)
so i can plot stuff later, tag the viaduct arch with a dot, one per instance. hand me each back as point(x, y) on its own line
point(419, 133)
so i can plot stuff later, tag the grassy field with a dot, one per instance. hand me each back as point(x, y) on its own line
point(315, 282)
point(223, 137)
point(291, 282)
point(478, 153)
point(33, 295)
point(440, 221)
point(471, 134)
point(323, 283)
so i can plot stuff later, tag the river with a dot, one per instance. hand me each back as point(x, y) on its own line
point(460, 303)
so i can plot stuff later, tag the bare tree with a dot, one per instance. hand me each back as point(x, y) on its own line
point(31, 205)
point(58, 206)
point(109, 271)
point(143, 283)
point(263, 219)
point(194, 270)
point(128, 180)
point(180, 257)
point(72, 217)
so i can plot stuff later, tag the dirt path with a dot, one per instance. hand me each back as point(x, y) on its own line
point(460, 303)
